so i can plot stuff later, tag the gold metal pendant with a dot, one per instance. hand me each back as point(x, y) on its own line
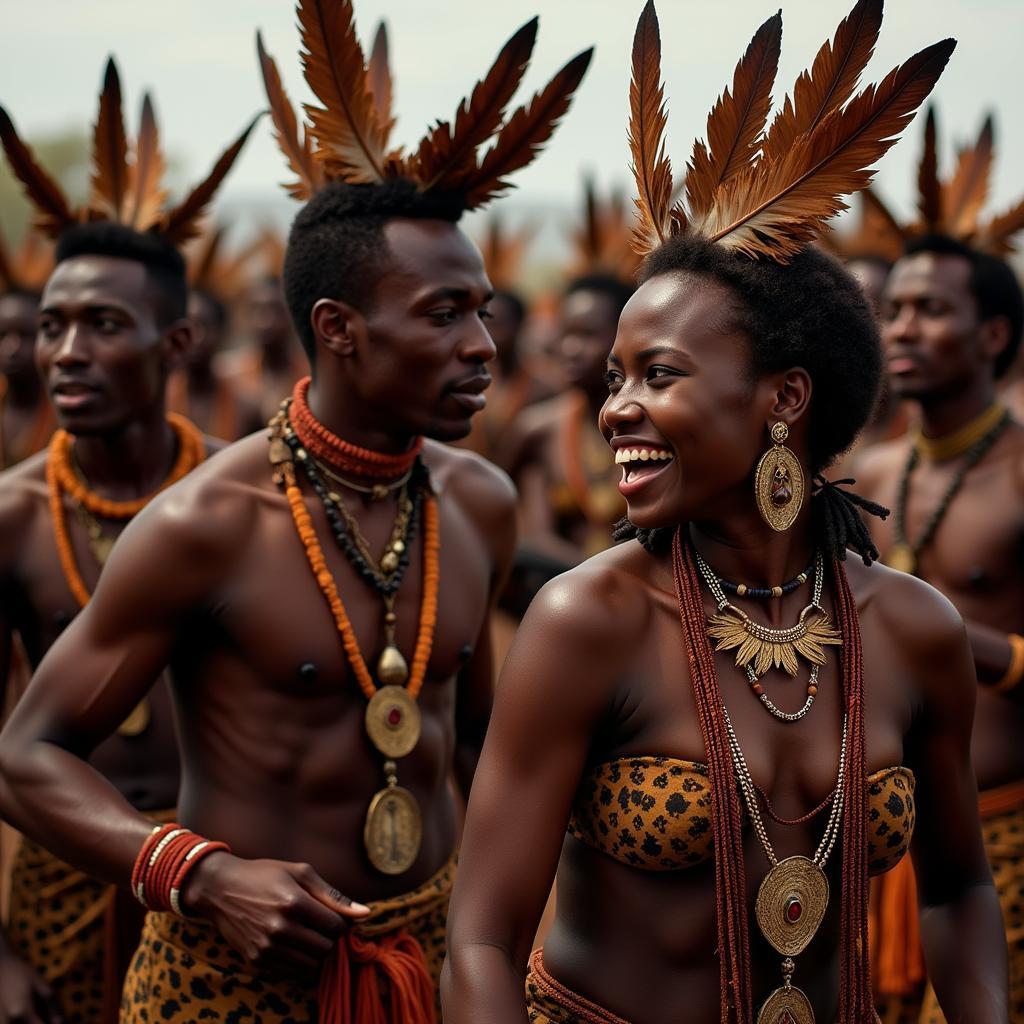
point(393, 721)
point(392, 669)
point(786, 1006)
point(779, 486)
point(393, 830)
point(902, 557)
point(791, 904)
point(138, 721)
point(773, 648)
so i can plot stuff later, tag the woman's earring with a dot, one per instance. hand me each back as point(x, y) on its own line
point(779, 482)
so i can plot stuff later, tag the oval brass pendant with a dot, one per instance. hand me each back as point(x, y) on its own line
point(779, 474)
point(393, 830)
point(901, 557)
point(137, 721)
point(393, 721)
point(786, 1006)
point(791, 904)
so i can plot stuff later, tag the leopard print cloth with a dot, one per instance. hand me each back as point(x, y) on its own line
point(550, 1002)
point(654, 813)
point(185, 973)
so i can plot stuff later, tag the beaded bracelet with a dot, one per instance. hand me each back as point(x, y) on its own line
point(163, 864)
point(1014, 673)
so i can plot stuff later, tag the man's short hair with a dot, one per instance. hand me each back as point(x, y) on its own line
point(164, 265)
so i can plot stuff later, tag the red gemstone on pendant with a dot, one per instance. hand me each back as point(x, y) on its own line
point(793, 910)
point(787, 1018)
point(394, 717)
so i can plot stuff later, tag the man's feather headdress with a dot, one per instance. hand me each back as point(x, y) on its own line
point(762, 190)
point(127, 177)
point(27, 268)
point(602, 241)
point(347, 136)
point(503, 250)
point(953, 206)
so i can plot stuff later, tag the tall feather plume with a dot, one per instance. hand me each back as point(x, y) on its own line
point(28, 268)
point(736, 122)
point(298, 150)
point(778, 206)
point(880, 232)
point(349, 136)
point(109, 152)
point(503, 252)
point(380, 83)
point(929, 188)
point(522, 136)
point(996, 236)
point(147, 172)
point(965, 194)
point(203, 258)
point(831, 80)
point(182, 223)
point(448, 156)
point(647, 119)
point(53, 214)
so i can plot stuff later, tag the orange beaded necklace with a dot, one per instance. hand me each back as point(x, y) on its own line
point(61, 479)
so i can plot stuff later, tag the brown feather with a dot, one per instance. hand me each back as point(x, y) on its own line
point(651, 167)
point(53, 214)
point(350, 139)
point(996, 236)
point(524, 133)
point(202, 259)
point(298, 151)
point(965, 194)
point(736, 122)
point(110, 151)
point(831, 80)
point(880, 233)
point(778, 206)
point(147, 172)
point(447, 156)
point(380, 83)
point(929, 189)
point(182, 223)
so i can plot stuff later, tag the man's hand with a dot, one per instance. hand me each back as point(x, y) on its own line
point(270, 910)
point(24, 997)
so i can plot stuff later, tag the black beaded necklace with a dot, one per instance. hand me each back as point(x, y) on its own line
point(742, 590)
point(904, 555)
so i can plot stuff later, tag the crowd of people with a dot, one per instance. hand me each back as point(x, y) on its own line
point(383, 643)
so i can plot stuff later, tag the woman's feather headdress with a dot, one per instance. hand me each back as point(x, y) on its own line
point(347, 137)
point(762, 190)
point(127, 178)
point(953, 206)
point(27, 268)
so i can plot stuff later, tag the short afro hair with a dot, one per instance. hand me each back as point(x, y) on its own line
point(993, 284)
point(809, 313)
point(617, 291)
point(337, 248)
point(164, 265)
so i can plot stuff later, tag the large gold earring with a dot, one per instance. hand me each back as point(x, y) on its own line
point(779, 482)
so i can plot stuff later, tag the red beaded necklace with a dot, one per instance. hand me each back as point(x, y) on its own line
point(330, 448)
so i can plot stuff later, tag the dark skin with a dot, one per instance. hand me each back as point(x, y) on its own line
point(941, 357)
point(197, 582)
point(533, 452)
point(23, 388)
point(103, 353)
point(204, 383)
point(597, 673)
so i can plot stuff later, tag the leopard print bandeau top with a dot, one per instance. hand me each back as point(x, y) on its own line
point(654, 813)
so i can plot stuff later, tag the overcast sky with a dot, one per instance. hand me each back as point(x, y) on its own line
point(198, 58)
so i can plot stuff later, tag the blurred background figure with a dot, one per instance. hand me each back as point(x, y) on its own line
point(26, 419)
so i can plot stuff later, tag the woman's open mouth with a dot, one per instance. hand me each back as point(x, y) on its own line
point(640, 465)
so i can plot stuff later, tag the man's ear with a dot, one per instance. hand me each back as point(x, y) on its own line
point(994, 336)
point(337, 326)
point(178, 340)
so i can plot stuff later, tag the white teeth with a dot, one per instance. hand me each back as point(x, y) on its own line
point(626, 455)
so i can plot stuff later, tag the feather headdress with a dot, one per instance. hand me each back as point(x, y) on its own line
point(222, 275)
point(953, 206)
point(877, 234)
point(503, 251)
point(762, 190)
point(127, 179)
point(602, 241)
point(27, 268)
point(347, 136)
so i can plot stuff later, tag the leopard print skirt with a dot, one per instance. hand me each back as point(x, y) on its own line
point(184, 972)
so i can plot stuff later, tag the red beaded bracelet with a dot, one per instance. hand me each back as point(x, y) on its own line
point(167, 856)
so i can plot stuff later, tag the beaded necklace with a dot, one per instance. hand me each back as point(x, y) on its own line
point(393, 830)
point(61, 480)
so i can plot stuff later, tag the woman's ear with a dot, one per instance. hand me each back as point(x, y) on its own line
point(792, 396)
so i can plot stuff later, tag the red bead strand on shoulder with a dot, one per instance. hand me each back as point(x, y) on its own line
point(330, 448)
